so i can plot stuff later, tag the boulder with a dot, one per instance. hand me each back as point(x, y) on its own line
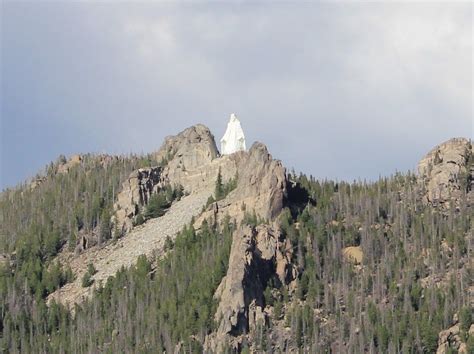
point(353, 254)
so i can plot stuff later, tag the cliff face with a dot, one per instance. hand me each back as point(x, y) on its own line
point(446, 170)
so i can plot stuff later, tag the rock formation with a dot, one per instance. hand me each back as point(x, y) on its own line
point(185, 155)
point(261, 185)
point(451, 338)
point(136, 191)
point(36, 182)
point(65, 166)
point(190, 159)
point(234, 138)
point(257, 256)
point(445, 171)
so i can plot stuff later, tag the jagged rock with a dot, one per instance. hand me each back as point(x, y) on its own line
point(195, 145)
point(252, 263)
point(445, 171)
point(136, 191)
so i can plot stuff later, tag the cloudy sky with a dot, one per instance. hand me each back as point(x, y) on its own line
point(337, 90)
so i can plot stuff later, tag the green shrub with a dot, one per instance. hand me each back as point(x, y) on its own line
point(87, 280)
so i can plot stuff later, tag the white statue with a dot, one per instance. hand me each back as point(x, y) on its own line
point(234, 138)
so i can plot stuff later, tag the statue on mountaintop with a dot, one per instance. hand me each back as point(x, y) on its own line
point(234, 138)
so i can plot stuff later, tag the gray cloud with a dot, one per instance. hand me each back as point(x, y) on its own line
point(339, 90)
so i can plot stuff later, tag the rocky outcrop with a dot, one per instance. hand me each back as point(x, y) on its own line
point(451, 339)
point(36, 182)
point(261, 186)
point(64, 166)
point(445, 171)
point(187, 158)
point(192, 161)
point(195, 146)
point(136, 191)
point(262, 182)
point(255, 256)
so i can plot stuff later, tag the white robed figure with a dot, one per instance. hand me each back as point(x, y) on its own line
point(234, 138)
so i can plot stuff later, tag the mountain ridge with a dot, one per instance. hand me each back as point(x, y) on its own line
point(289, 240)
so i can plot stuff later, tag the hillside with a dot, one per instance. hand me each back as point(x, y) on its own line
point(184, 250)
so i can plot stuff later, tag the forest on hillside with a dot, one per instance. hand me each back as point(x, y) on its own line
point(413, 278)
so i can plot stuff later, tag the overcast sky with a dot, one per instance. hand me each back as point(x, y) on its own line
point(336, 90)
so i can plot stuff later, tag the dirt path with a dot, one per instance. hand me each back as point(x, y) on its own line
point(145, 239)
